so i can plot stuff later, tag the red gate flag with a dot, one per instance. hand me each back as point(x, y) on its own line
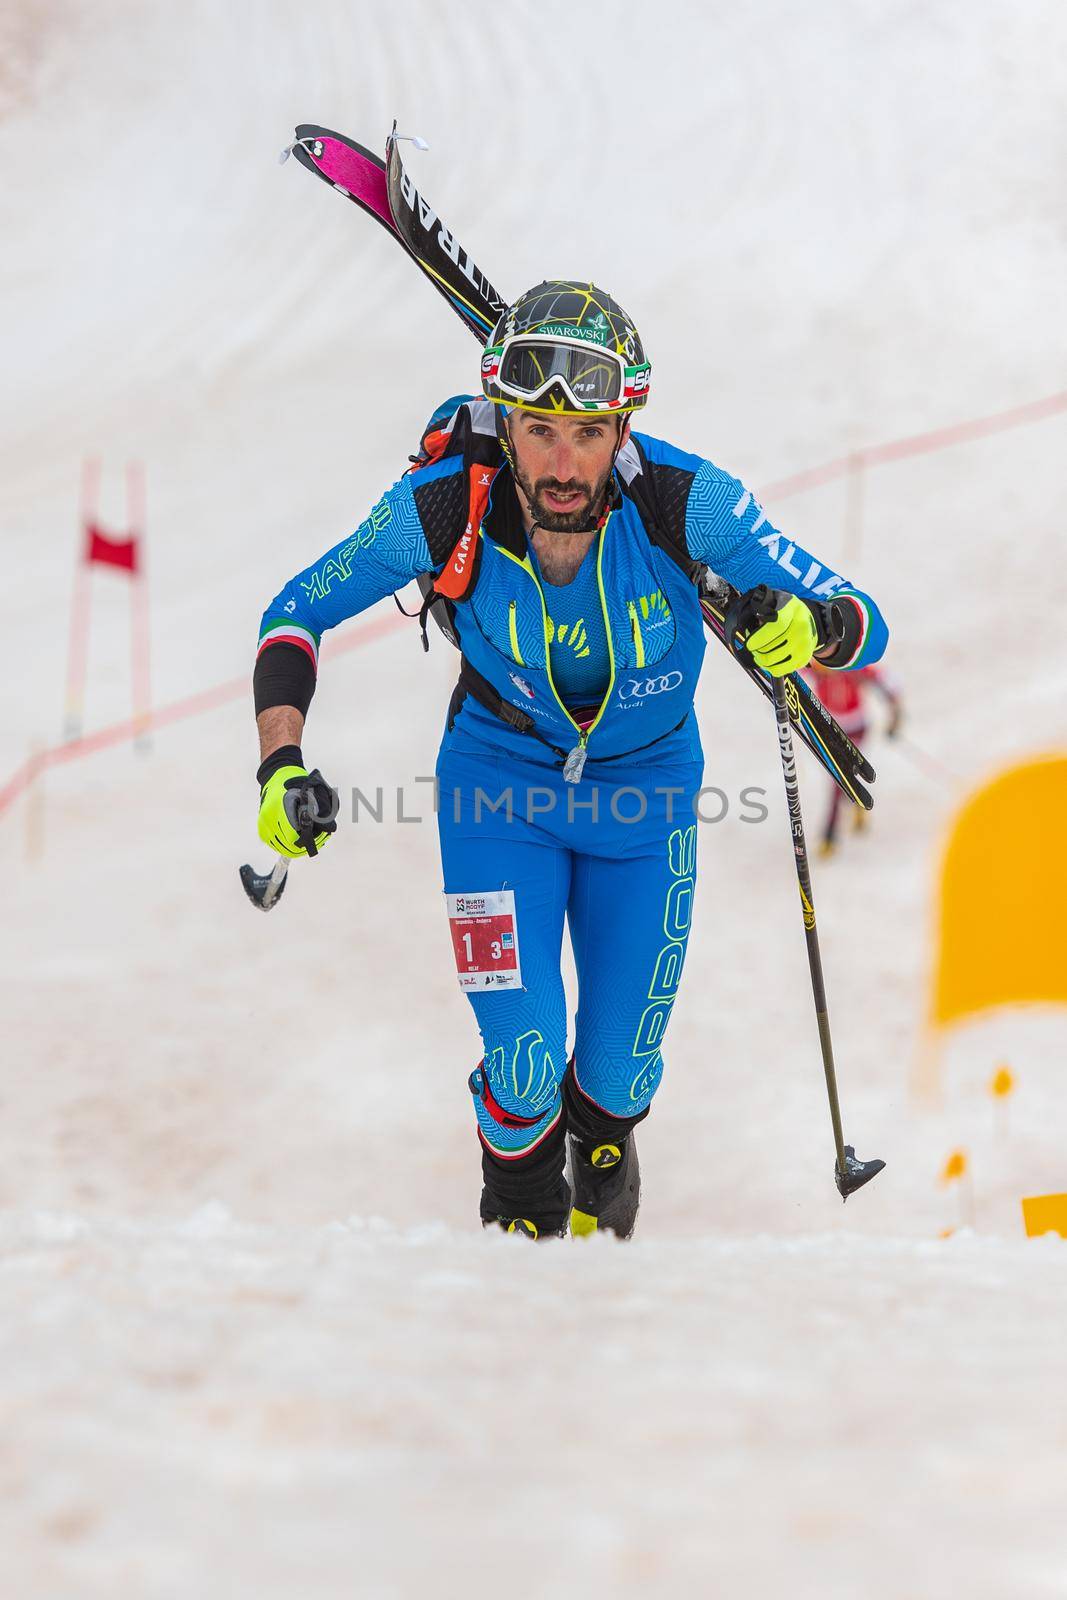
point(126, 551)
point(111, 552)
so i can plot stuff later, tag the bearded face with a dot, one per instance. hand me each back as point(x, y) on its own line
point(563, 467)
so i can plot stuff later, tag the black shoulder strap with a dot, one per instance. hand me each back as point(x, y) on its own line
point(661, 494)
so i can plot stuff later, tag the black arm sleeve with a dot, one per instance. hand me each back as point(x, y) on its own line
point(836, 619)
point(284, 676)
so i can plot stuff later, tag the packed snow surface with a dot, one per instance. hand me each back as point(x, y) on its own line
point(252, 1341)
point(222, 1407)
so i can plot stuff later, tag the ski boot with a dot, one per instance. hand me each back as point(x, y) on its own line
point(605, 1181)
point(525, 1227)
point(551, 1210)
point(529, 1196)
point(524, 1192)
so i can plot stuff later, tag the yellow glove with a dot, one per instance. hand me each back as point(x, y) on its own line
point(788, 641)
point(297, 810)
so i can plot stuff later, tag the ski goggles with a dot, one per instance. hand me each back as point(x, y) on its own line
point(527, 367)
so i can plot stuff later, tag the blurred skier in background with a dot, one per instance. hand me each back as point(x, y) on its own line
point(843, 694)
point(561, 551)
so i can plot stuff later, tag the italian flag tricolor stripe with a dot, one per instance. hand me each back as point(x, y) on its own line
point(865, 628)
point(504, 1154)
point(290, 633)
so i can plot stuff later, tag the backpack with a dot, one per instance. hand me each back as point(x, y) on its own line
point(448, 433)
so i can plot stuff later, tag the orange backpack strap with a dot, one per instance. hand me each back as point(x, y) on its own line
point(456, 578)
point(444, 507)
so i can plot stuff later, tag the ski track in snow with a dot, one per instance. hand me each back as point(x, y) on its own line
point(251, 1339)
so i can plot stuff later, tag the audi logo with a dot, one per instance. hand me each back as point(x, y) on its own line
point(642, 688)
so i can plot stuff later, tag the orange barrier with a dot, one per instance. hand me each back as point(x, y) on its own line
point(1045, 1213)
point(1002, 887)
point(997, 939)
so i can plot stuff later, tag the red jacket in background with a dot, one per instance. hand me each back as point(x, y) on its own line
point(842, 693)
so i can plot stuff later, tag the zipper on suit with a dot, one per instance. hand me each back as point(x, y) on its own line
point(576, 757)
point(635, 632)
point(513, 633)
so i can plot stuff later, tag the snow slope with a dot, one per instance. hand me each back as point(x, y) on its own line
point(251, 1340)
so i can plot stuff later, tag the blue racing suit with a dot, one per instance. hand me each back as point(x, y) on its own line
point(614, 853)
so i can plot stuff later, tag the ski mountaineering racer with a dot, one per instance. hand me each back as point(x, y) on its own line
point(564, 550)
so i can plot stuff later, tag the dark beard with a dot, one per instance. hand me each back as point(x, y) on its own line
point(577, 521)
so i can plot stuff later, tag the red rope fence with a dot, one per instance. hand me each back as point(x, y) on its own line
point(917, 444)
point(178, 711)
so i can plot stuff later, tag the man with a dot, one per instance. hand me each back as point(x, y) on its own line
point(843, 695)
point(564, 549)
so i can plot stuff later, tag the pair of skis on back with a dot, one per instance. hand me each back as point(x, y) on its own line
point(388, 194)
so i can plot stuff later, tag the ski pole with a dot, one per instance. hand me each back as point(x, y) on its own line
point(264, 889)
point(849, 1173)
point(306, 817)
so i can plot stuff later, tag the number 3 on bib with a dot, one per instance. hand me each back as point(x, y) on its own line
point(485, 939)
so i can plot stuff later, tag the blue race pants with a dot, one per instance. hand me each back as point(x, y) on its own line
point(615, 857)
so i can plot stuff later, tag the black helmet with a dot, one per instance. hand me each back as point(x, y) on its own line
point(565, 349)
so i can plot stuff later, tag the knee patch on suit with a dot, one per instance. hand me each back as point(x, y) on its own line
point(516, 1097)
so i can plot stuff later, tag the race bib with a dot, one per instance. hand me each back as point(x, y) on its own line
point(485, 939)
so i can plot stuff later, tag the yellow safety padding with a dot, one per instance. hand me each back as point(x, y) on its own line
point(1002, 915)
point(1045, 1213)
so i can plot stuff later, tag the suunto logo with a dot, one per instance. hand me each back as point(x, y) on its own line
point(521, 684)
